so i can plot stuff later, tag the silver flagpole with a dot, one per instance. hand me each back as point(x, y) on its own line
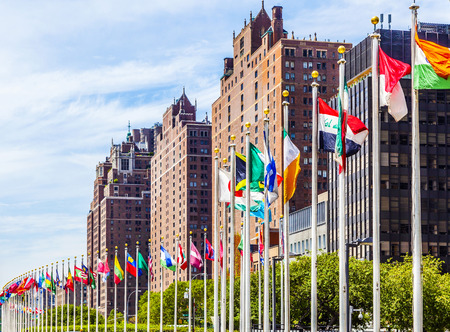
point(74, 293)
point(247, 308)
point(56, 301)
point(81, 297)
point(115, 297)
point(223, 325)
point(416, 212)
point(51, 298)
point(287, 299)
point(136, 303)
point(376, 179)
point(314, 85)
point(266, 318)
point(161, 291)
point(96, 296)
point(190, 285)
point(205, 312)
point(241, 286)
point(176, 285)
point(343, 295)
point(258, 241)
point(224, 263)
point(216, 240)
point(281, 272)
point(106, 293)
point(148, 289)
point(232, 232)
point(62, 297)
point(68, 296)
point(125, 310)
point(89, 288)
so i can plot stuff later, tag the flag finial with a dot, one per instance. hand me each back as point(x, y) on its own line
point(341, 49)
point(232, 137)
point(375, 21)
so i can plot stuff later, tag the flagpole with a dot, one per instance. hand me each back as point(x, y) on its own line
point(136, 302)
point(314, 85)
point(241, 286)
point(205, 312)
point(259, 268)
point(74, 294)
point(115, 296)
point(232, 232)
point(106, 295)
point(266, 318)
point(62, 297)
point(216, 240)
point(176, 286)
point(148, 289)
point(376, 178)
point(281, 271)
point(96, 296)
point(125, 310)
point(343, 294)
point(287, 302)
point(89, 291)
point(161, 303)
point(223, 324)
point(81, 298)
point(223, 308)
point(247, 309)
point(51, 299)
point(416, 197)
point(190, 284)
point(68, 295)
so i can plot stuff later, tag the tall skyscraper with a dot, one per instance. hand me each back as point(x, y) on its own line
point(120, 211)
point(264, 62)
point(395, 159)
point(180, 186)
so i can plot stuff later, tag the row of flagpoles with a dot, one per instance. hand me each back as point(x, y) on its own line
point(236, 187)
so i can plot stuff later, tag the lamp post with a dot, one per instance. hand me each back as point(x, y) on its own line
point(128, 300)
point(354, 244)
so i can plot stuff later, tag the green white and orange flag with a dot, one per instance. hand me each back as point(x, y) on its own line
point(431, 65)
point(291, 166)
point(118, 272)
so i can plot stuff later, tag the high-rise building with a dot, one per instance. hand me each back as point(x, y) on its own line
point(180, 186)
point(395, 159)
point(120, 211)
point(264, 62)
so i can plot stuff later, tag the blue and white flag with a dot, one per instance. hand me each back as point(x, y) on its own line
point(166, 260)
point(270, 178)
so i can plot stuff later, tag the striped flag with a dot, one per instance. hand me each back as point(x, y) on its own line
point(167, 260)
point(291, 166)
point(118, 272)
point(339, 150)
point(196, 258)
point(431, 65)
point(181, 258)
point(150, 265)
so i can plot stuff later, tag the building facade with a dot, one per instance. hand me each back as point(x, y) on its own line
point(395, 159)
point(180, 186)
point(265, 62)
point(120, 213)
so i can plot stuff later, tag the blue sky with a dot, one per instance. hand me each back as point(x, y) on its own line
point(72, 73)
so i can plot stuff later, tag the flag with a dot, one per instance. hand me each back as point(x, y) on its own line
point(92, 277)
point(291, 166)
point(166, 260)
point(41, 280)
point(181, 258)
point(131, 266)
point(118, 272)
point(142, 265)
point(48, 282)
point(69, 281)
point(58, 281)
point(105, 270)
point(339, 149)
point(100, 266)
point(224, 186)
point(53, 287)
point(271, 180)
point(256, 170)
point(150, 265)
point(221, 254)
point(80, 275)
point(196, 258)
point(356, 131)
point(261, 245)
point(391, 92)
point(241, 246)
point(431, 65)
point(209, 253)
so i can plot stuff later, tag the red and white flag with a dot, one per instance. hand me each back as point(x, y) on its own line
point(391, 92)
point(181, 258)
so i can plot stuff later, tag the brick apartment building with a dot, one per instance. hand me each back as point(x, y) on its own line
point(120, 210)
point(265, 62)
point(180, 185)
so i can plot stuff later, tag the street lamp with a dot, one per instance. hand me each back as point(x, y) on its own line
point(368, 241)
point(128, 300)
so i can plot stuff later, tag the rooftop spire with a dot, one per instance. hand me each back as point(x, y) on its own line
point(262, 4)
point(129, 131)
